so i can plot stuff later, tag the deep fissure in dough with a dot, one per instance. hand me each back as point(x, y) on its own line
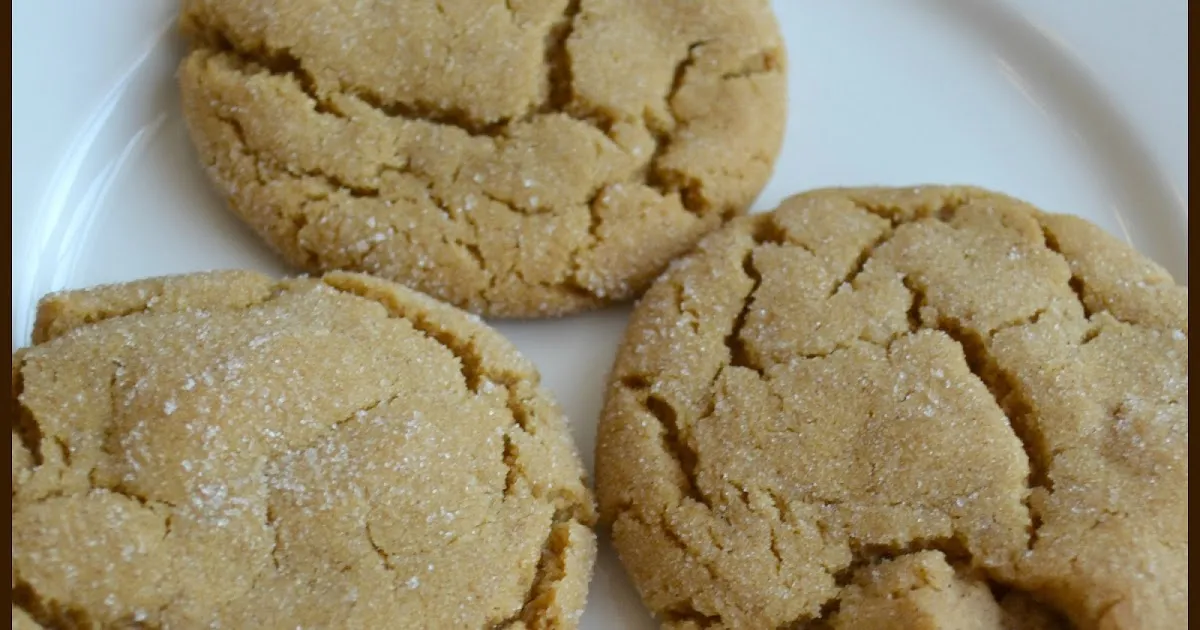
point(660, 380)
point(270, 124)
point(542, 471)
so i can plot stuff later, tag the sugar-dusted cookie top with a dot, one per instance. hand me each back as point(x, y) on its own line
point(226, 450)
point(513, 158)
point(880, 407)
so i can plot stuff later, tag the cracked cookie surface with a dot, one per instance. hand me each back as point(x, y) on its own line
point(879, 408)
point(227, 450)
point(512, 158)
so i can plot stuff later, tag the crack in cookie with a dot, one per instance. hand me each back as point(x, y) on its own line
point(567, 185)
point(264, 491)
point(885, 334)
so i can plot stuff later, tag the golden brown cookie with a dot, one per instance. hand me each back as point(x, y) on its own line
point(925, 406)
point(513, 158)
point(226, 450)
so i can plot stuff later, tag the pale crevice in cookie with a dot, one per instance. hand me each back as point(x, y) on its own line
point(675, 432)
point(991, 343)
point(559, 78)
point(557, 561)
point(24, 426)
point(58, 317)
point(1130, 289)
point(570, 286)
point(1076, 282)
point(60, 313)
point(488, 369)
point(676, 442)
point(738, 355)
point(939, 205)
point(669, 180)
point(683, 455)
point(664, 181)
point(1006, 389)
point(283, 62)
point(766, 233)
point(478, 375)
point(52, 613)
point(334, 184)
point(49, 614)
point(576, 280)
point(868, 558)
point(926, 589)
point(861, 263)
point(276, 540)
point(660, 167)
point(684, 609)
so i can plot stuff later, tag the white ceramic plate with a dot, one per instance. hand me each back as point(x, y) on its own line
point(1075, 105)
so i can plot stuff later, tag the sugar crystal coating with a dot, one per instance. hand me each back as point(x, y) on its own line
point(225, 450)
point(903, 408)
point(513, 158)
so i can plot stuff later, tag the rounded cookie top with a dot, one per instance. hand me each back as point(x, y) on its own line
point(513, 158)
point(225, 450)
point(875, 407)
